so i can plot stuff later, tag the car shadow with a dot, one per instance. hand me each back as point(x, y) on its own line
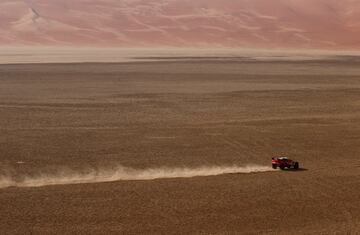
point(295, 170)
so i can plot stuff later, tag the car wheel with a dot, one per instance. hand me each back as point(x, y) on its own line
point(274, 166)
point(296, 166)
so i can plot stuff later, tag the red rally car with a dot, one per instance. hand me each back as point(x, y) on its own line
point(284, 162)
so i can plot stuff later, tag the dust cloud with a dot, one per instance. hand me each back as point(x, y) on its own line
point(119, 173)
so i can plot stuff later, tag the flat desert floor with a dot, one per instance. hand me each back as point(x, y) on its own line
point(65, 128)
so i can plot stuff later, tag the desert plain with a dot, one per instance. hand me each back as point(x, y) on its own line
point(64, 120)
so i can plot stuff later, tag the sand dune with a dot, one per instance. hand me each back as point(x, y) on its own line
point(320, 24)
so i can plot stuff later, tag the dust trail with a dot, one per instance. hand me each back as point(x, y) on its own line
point(124, 173)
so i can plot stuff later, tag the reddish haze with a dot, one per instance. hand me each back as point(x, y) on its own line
point(323, 24)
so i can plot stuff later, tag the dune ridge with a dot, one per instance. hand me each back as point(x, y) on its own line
point(324, 24)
